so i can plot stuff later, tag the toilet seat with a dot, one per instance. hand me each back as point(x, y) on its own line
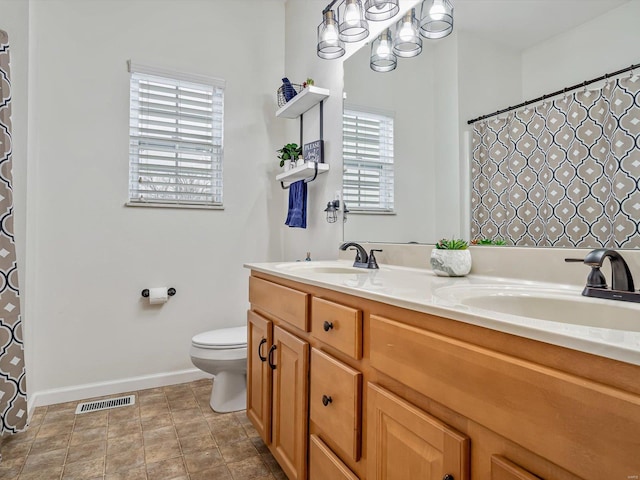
point(222, 339)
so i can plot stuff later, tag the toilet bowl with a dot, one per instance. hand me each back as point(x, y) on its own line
point(223, 354)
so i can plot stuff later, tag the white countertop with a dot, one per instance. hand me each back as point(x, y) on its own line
point(421, 290)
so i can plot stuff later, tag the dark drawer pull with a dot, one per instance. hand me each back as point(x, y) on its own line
point(447, 477)
point(326, 400)
point(327, 326)
point(262, 342)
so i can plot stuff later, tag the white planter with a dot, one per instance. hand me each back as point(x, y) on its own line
point(450, 263)
point(287, 165)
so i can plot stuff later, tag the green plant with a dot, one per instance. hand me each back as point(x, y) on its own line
point(290, 151)
point(452, 244)
point(488, 241)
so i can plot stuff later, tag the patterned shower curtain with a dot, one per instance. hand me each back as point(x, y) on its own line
point(565, 173)
point(13, 393)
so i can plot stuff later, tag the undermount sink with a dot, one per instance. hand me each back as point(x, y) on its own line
point(325, 267)
point(546, 304)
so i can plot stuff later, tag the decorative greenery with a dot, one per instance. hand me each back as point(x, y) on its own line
point(290, 151)
point(452, 244)
point(488, 241)
point(308, 82)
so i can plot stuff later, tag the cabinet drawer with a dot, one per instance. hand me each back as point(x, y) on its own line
point(503, 469)
point(335, 401)
point(324, 464)
point(285, 303)
point(337, 326)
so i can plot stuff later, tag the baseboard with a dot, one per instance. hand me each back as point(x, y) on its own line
point(100, 389)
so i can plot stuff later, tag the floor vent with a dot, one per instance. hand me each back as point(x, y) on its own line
point(87, 407)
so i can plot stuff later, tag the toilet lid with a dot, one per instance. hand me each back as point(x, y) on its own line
point(235, 337)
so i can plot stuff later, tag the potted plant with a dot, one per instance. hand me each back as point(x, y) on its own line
point(289, 153)
point(488, 241)
point(451, 258)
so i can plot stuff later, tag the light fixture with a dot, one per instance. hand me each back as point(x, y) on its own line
point(345, 210)
point(352, 26)
point(329, 44)
point(332, 211)
point(382, 57)
point(407, 42)
point(378, 10)
point(436, 19)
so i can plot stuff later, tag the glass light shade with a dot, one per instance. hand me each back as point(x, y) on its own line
point(329, 44)
point(379, 10)
point(351, 23)
point(332, 212)
point(382, 57)
point(436, 19)
point(407, 42)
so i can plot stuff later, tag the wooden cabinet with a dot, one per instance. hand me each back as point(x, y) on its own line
point(384, 393)
point(259, 339)
point(289, 357)
point(406, 443)
point(278, 373)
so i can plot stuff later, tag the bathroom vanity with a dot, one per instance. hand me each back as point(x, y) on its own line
point(374, 375)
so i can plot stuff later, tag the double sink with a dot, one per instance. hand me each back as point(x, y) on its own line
point(559, 304)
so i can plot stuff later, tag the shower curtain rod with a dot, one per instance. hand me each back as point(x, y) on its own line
point(564, 90)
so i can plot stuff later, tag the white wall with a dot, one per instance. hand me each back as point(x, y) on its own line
point(320, 238)
point(606, 44)
point(407, 93)
point(89, 255)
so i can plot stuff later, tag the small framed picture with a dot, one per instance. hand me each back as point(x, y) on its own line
point(313, 151)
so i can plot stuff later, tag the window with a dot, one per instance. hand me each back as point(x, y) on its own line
point(367, 152)
point(175, 138)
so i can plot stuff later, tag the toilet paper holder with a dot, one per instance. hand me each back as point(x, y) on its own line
point(170, 291)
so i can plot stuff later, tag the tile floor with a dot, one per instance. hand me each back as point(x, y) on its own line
point(170, 433)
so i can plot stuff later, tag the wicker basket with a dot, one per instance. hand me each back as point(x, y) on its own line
point(281, 100)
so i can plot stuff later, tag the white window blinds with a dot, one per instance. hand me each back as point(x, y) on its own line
point(175, 138)
point(367, 152)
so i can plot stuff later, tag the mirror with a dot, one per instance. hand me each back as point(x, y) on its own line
point(500, 54)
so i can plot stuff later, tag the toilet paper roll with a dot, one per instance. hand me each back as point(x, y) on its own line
point(158, 295)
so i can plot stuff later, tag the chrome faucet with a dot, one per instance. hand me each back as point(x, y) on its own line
point(362, 259)
point(622, 287)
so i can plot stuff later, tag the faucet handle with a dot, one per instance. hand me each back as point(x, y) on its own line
point(358, 258)
point(572, 260)
point(373, 263)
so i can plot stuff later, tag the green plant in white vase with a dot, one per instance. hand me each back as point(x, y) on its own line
point(289, 152)
point(451, 258)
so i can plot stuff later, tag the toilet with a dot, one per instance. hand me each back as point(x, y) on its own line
point(223, 354)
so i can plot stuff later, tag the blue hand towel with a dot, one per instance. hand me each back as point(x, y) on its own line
point(297, 216)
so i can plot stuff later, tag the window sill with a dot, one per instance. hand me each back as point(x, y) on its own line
point(174, 205)
point(369, 212)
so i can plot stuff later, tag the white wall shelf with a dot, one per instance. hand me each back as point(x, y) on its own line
point(302, 102)
point(303, 172)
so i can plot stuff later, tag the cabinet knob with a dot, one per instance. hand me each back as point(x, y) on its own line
point(327, 326)
point(262, 342)
point(326, 400)
point(447, 477)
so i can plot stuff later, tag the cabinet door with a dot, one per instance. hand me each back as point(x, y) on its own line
point(259, 339)
point(290, 403)
point(405, 442)
point(503, 469)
